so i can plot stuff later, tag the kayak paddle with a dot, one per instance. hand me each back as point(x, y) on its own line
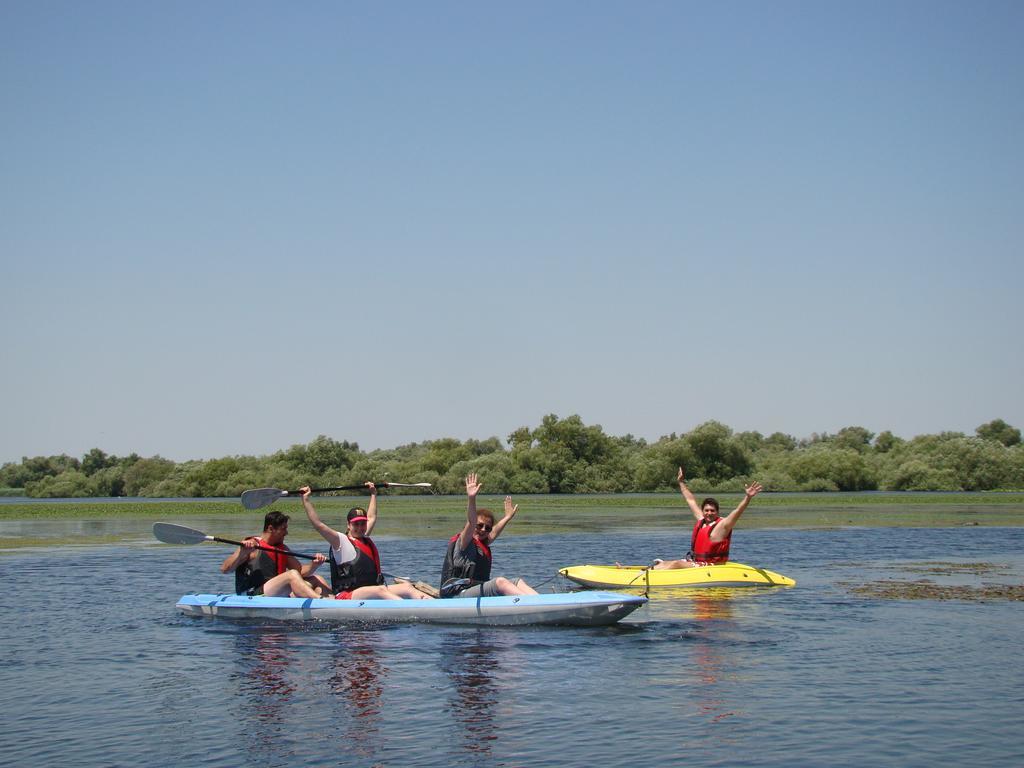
point(261, 497)
point(169, 533)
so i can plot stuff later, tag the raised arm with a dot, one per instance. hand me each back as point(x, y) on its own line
point(691, 501)
point(724, 528)
point(510, 512)
point(472, 489)
point(371, 509)
point(330, 535)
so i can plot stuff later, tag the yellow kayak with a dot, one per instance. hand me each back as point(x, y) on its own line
point(642, 577)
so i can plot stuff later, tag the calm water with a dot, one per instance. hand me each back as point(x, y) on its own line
point(813, 675)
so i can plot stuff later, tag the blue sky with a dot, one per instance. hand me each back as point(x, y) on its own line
point(229, 227)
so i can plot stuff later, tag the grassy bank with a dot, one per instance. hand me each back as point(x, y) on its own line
point(33, 524)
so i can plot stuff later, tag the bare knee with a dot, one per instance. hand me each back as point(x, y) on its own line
point(402, 589)
point(374, 593)
point(525, 588)
point(287, 583)
point(670, 564)
point(412, 593)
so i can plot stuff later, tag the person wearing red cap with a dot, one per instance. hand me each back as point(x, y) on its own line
point(354, 559)
point(466, 571)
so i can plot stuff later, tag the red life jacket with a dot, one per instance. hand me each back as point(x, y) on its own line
point(368, 548)
point(364, 571)
point(251, 575)
point(702, 549)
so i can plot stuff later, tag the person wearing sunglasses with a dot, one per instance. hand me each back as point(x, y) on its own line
point(467, 563)
point(354, 559)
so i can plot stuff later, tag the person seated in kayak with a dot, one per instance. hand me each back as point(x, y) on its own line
point(709, 542)
point(260, 570)
point(467, 563)
point(354, 559)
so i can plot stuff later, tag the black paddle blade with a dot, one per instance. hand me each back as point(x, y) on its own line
point(169, 533)
point(261, 497)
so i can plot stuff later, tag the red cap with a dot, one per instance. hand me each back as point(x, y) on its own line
point(356, 514)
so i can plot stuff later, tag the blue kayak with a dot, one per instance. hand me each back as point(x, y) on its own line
point(585, 609)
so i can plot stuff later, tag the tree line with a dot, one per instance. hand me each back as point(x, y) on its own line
point(563, 455)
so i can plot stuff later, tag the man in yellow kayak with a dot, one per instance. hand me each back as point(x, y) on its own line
point(709, 543)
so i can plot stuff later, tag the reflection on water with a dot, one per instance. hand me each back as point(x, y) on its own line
point(710, 658)
point(686, 605)
point(702, 625)
point(472, 663)
point(358, 675)
point(715, 604)
point(263, 659)
point(278, 677)
point(484, 670)
point(268, 667)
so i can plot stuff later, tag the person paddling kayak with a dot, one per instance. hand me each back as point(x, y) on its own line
point(466, 571)
point(259, 571)
point(709, 542)
point(355, 561)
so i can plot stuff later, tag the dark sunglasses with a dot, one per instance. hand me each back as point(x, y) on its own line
point(484, 527)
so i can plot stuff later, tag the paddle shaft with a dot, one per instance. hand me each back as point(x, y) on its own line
point(360, 487)
point(264, 548)
point(333, 488)
point(261, 497)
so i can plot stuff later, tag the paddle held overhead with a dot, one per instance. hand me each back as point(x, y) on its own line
point(261, 497)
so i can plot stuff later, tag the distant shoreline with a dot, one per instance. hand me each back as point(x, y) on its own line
point(45, 522)
point(781, 497)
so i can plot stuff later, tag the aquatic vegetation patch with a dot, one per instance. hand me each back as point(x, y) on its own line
point(938, 568)
point(925, 589)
